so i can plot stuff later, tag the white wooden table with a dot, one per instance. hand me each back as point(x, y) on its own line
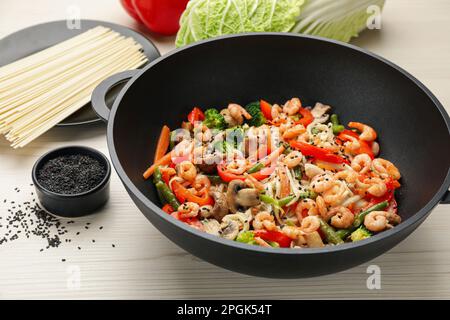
point(144, 264)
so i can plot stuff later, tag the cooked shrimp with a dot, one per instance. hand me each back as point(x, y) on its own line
point(310, 224)
point(264, 220)
point(238, 113)
point(276, 111)
point(294, 132)
point(293, 159)
point(306, 204)
point(292, 232)
point(367, 133)
point(237, 166)
point(361, 163)
point(335, 195)
point(376, 221)
point(352, 146)
point(292, 106)
point(188, 210)
point(322, 207)
point(342, 217)
point(322, 182)
point(201, 182)
point(385, 169)
point(202, 133)
point(187, 170)
point(232, 122)
point(349, 176)
point(377, 187)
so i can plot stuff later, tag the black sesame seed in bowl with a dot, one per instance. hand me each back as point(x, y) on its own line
point(72, 181)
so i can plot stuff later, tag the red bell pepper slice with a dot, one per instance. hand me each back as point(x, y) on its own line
point(266, 109)
point(307, 117)
point(349, 135)
point(283, 240)
point(184, 194)
point(194, 222)
point(318, 153)
point(167, 208)
point(196, 115)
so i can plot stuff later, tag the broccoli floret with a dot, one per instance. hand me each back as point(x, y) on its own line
point(360, 234)
point(258, 118)
point(214, 120)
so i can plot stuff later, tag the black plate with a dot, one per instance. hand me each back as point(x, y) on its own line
point(36, 38)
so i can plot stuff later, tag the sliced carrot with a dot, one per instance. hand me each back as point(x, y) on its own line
point(165, 160)
point(284, 181)
point(163, 143)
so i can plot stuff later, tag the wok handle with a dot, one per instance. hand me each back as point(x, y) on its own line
point(98, 99)
point(446, 198)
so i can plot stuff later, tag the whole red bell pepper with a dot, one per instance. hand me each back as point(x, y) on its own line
point(275, 236)
point(160, 16)
point(317, 153)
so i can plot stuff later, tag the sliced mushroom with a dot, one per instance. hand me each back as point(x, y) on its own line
point(230, 229)
point(319, 112)
point(248, 197)
point(240, 197)
point(212, 226)
point(220, 208)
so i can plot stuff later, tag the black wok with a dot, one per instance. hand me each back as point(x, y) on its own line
point(412, 125)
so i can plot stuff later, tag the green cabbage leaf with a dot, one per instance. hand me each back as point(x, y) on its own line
point(336, 19)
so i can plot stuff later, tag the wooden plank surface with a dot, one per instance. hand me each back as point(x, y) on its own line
point(414, 34)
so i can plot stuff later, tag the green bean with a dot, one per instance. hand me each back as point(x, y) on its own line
point(257, 167)
point(359, 219)
point(168, 194)
point(336, 126)
point(269, 200)
point(285, 201)
point(158, 177)
point(329, 233)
